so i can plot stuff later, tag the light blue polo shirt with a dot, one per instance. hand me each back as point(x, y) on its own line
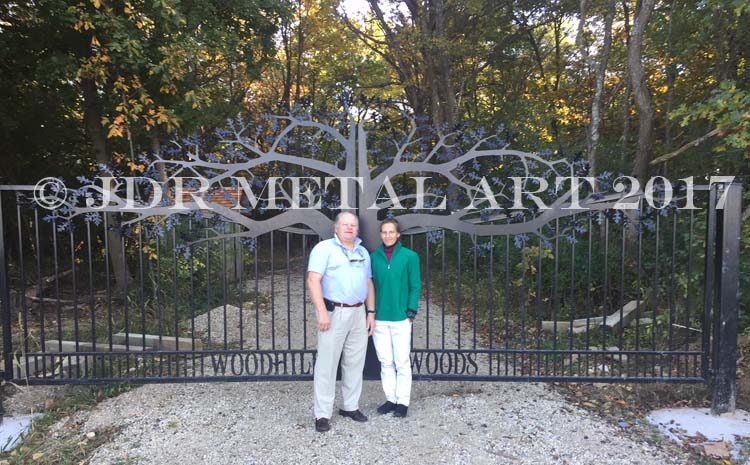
point(345, 273)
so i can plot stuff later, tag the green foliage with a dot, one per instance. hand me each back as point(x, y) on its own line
point(727, 109)
point(158, 62)
point(155, 66)
point(163, 66)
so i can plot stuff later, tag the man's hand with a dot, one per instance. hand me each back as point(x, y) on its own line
point(324, 321)
point(316, 296)
point(370, 323)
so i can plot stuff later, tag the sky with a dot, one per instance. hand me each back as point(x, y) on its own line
point(355, 7)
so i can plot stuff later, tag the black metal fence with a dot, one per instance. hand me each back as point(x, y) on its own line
point(601, 296)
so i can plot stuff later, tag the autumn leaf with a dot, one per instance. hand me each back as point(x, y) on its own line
point(114, 131)
point(136, 167)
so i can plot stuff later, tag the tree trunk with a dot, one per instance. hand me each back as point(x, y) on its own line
point(93, 122)
point(156, 150)
point(286, 94)
point(671, 74)
point(300, 50)
point(596, 104)
point(426, 75)
point(626, 97)
point(444, 82)
point(641, 92)
point(540, 64)
point(557, 28)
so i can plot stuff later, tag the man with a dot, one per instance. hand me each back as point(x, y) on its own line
point(395, 271)
point(340, 282)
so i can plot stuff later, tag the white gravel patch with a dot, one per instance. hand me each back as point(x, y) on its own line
point(272, 423)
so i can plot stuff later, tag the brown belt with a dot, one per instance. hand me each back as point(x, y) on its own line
point(339, 304)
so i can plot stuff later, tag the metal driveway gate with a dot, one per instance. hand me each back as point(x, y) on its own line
point(572, 295)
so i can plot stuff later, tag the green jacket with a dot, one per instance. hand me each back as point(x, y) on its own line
point(397, 284)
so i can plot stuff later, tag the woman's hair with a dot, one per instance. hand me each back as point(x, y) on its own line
point(392, 221)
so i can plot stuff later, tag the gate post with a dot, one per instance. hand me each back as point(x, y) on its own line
point(7, 372)
point(727, 301)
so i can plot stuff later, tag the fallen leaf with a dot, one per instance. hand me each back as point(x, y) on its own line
point(716, 449)
point(52, 403)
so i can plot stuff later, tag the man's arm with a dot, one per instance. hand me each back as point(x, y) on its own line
point(370, 305)
point(316, 296)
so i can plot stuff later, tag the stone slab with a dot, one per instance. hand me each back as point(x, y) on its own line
point(70, 346)
point(153, 341)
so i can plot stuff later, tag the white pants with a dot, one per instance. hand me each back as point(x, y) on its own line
point(392, 341)
point(345, 339)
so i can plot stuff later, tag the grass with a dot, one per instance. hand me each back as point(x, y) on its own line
point(72, 446)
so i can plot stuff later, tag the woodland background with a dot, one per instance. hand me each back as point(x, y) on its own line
point(635, 87)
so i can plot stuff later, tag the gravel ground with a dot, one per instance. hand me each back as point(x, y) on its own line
point(271, 423)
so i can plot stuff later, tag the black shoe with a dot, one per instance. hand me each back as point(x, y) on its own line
point(388, 407)
point(322, 425)
point(400, 411)
point(355, 415)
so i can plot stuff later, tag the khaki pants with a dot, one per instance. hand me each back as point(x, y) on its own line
point(347, 340)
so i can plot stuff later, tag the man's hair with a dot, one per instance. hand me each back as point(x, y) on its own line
point(341, 215)
point(392, 221)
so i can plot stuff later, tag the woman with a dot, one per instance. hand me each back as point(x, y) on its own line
point(395, 272)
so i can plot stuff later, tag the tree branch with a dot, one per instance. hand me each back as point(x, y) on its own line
point(694, 143)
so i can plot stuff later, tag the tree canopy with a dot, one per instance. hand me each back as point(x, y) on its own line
point(640, 87)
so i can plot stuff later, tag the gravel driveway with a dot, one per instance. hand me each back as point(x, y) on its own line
point(271, 423)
